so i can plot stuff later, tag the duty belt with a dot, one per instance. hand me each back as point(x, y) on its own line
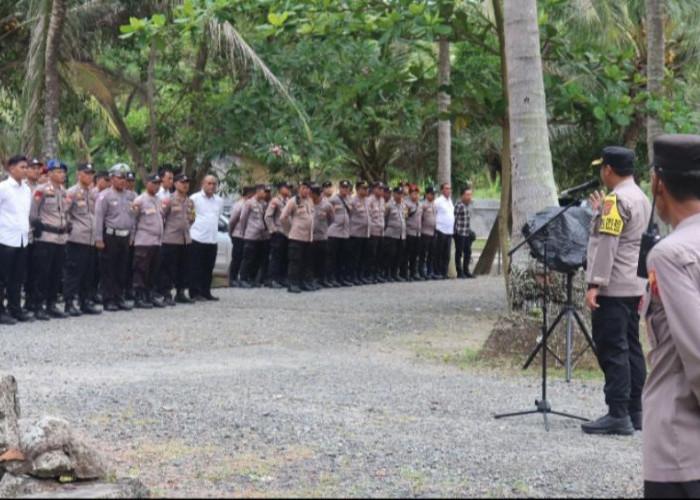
point(117, 232)
point(54, 230)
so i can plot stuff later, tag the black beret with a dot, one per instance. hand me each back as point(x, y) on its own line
point(153, 178)
point(86, 167)
point(620, 159)
point(398, 190)
point(677, 153)
point(327, 184)
point(182, 178)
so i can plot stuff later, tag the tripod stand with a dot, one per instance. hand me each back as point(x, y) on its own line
point(542, 405)
point(571, 314)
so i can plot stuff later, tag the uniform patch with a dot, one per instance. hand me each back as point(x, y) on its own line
point(611, 222)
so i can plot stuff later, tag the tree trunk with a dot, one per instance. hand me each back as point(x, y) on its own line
point(52, 92)
point(533, 187)
point(656, 50)
point(505, 219)
point(151, 96)
point(444, 172)
point(196, 87)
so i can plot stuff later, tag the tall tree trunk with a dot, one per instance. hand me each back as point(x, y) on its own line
point(656, 50)
point(196, 87)
point(504, 213)
point(444, 172)
point(52, 92)
point(151, 96)
point(533, 186)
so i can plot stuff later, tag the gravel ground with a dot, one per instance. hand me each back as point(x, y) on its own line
point(336, 393)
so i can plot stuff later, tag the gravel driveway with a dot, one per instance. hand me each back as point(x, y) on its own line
point(322, 394)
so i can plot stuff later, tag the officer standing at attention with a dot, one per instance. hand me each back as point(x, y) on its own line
point(427, 235)
point(131, 192)
point(32, 181)
point(278, 236)
point(339, 257)
point(204, 231)
point(77, 272)
point(464, 236)
point(323, 218)
point(15, 204)
point(359, 232)
point(413, 221)
point(167, 178)
point(234, 231)
point(178, 215)
point(102, 182)
point(671, 307)
point(114, 233)
point(298, 217)
point(49, 218)
point(253, 228)
point(148, 236)
point(395, 231)
point(373, 262)
point(614, 291)
point(327, 187)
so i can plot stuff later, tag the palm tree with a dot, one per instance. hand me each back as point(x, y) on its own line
point(656, 52)
point(52, 88)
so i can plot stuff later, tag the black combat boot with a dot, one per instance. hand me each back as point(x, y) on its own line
point(72, 309)
point(609, 425)
point(181, 298)
point(55, 312)
point(89, 308)
point(141, 302)
point(155, 300)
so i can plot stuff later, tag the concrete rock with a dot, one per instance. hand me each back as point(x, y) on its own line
point(13, 486)
point(53, 450)
point(124, 488)
point(9, 413)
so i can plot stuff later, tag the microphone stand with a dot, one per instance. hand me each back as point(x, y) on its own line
point(542, 405)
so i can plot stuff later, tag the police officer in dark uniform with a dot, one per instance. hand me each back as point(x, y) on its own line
point(614, 291)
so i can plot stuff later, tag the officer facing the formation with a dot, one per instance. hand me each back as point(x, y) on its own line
point(614, 291)
point(77, 273)
point(148, 236)
point(278, 236)
point(49, 218)
point(671, 308)
point(298, 217)
point(178, 216)
point(339, 269)
point(114, 230)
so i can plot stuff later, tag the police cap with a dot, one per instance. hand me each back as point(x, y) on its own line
point(36, 162)
point(345, 184)
point(182, 178)
point(327, 184)
point(430, 190)
point(88, 168)
point(281, 185)
point(119, 170)
point(679, 153)
point(55, 163)
point(620, 159)
point(155, 178)
point(361, 185)
point(398, 189)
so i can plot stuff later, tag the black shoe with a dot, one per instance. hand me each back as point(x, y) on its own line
point(6, 319)
point(245, 284)
point(232, 283)
point(294, 289)
point(155, 300)
point(305, 287)
point(273, 284)
point(55, 312)
point(41, 314)
point(125, 305)
point(111, 307)
point(470, 276)
point(461, 275)
point(636, 418)
point(284, 282)
point(141, 303)
point(22, 316)
point(89, 308)
point(200, 298)
point(210, 297)
point(97, 298)
point(399, 279)
point(335, 284)
point(357, 282)
point(418, 277)
point(181, 298)
point(346, 283)
point(609, 425)
point(169, 301)
point(71, 309)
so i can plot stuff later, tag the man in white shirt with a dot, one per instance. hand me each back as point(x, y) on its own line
point(15, 203)
point(444, 229)
point(167, 178)
point(204, 232)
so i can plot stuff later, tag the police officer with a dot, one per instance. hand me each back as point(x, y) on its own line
point(102, 182)
point(131, 193)
point(178, 216)
point(114, 232)
point(298, 217)
point(254, 231)
point(77, 271)
point(671, 307)
point(278, 236)
point(427, 235)
point(148, 236)
point(413, 222)
point(32, 182)
point(327, 187)
point(339, 270)
point(234, 231)
point(49, 218)
point(359, 232)
point(395, 230)
point(323, 218)
point(373, 261)
point(614, 291)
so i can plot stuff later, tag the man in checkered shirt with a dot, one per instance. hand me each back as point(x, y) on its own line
point(463, 235)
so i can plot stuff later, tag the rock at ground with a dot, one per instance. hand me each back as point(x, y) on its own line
point(13, 486)
point(124, 488)
point(9, 413)
point(52, 450)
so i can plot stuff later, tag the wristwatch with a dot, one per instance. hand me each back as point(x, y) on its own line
point(592, 285)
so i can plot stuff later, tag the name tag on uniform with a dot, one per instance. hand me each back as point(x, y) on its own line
point(150, 211)
point(114, 203)
point(81, 203)
point(176, 208)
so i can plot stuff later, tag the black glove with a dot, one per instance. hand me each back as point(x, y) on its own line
point(38, 228)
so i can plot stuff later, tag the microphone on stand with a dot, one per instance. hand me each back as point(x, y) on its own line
point(580, 188)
